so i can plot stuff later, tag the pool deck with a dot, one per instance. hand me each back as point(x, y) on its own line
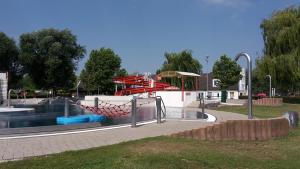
point(11, 109)
point(20, 147)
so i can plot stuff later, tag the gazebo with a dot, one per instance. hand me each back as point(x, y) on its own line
point(179, 74)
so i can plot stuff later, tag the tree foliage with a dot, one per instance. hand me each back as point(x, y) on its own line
point(9, 58)
point(281, 34)
point(181, 61)
point(121, 72)
point(99, 70)
point(227, 71)
point(50, 57)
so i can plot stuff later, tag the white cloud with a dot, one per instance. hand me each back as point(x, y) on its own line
point(229, 3)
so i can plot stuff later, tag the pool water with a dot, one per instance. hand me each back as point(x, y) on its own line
point(184, 113)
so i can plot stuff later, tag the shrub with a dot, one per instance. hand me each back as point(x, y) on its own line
point(292, 100)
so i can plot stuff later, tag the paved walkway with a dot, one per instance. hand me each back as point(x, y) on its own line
point(19, 148)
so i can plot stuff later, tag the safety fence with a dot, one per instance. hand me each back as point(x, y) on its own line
point(240, 130)
point(138, 109)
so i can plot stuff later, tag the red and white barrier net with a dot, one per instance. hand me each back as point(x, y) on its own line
point(111, 110)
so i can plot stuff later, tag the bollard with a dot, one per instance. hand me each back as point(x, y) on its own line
point(133, 112)
point(158, 109)
point(66, 107)
point(202, 104)
point(96, 101)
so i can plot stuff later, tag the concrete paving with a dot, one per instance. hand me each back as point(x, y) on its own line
point(14, 148)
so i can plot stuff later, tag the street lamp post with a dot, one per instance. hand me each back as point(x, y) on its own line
point(77, 88)
point(249, 66)
point(206, 59)
point(270, 78)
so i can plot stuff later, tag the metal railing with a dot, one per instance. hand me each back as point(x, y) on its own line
point(160, 110)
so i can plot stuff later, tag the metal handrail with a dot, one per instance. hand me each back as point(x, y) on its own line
point(164, 110)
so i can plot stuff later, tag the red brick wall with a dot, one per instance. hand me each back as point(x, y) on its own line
point(240, 130)
point(268, 102)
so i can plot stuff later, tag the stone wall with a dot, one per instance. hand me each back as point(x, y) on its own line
point(240, 130)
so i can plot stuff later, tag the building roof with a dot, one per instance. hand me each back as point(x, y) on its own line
point(203, 83)
point(177, 74)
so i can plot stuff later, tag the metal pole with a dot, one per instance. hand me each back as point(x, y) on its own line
point(133, 112)
point(8, 102)
point(77, 93)
point(270, 85)
point(96, 102)
point(207, 77)
point(249, 66)
point(158, 109)
point(202, 104)
point(77, 88)
point(66, 107)
point(182, 88)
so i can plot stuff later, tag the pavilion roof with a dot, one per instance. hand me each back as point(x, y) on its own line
point(177, 74)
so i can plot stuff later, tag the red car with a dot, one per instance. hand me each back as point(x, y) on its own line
point(261, 95)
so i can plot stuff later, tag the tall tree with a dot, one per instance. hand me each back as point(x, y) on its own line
point(9, 59)
point(50, 57)
point(181, 61)
point(99, 70)
point(227, 71)
point(282, 49)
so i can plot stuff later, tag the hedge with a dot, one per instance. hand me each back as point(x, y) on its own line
point(292, 100)
point(285, 99)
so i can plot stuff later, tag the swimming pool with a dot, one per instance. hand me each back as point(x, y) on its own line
point(43, 117)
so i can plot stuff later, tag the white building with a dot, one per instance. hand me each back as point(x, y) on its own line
point(214, 93)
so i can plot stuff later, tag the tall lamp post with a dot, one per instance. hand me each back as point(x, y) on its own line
point(270, 78)
point(77, 88)
point(206, 59)
point(249, 66)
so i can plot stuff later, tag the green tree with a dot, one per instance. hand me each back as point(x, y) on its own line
point(121, 72)
point(228, 72)
point(101, 67)
point(181, 61)
point(50, 57)
point(282, 49)
point(9, 59)
point(27, 83)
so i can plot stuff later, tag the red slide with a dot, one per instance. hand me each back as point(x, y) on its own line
point(138, 84)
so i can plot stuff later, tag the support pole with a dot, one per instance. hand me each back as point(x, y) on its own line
point(202, 104)
point(96, 102)
point(133, 112)
point(182, 88)
point(158, 109)
point(66, 107)
point(249, 66)
point(9, 101)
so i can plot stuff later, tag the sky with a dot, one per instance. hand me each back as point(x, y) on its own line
point(141, 31)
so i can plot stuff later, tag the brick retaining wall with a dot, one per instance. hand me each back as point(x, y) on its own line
point(240, 130)
point(268, 102)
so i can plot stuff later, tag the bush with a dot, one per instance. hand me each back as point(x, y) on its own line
point(292, 100)
point(246, 97)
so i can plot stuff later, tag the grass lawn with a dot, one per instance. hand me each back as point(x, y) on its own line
point(166, 152)
point(262, 111)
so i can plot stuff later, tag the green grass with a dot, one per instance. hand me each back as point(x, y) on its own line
point(166, 152)
point(262, 111)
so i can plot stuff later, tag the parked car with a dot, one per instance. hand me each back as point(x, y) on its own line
point(261, 95)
